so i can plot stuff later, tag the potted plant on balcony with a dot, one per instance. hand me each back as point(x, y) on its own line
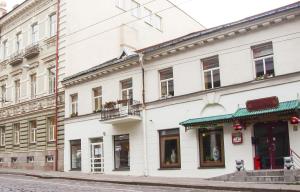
point(110, 105)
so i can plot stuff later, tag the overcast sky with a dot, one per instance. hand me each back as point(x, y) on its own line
point(211, 13)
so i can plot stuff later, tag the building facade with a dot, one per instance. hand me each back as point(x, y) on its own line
point(192, 106)
point(27, 78)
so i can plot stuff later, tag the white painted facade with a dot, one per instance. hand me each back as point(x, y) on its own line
point(191, 100)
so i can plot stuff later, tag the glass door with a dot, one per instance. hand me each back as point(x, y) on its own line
point(97, 158)
point(76, 155)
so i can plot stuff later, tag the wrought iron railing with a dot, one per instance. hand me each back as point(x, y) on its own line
point(296, 158)
point(32, 51)
point(16, 58)
point(121, 108)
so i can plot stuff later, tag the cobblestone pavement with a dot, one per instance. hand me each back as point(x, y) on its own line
point(13, 183)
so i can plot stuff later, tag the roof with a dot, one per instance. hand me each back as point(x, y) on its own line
point(243, 113)
point(191, 36)
point(287, 106)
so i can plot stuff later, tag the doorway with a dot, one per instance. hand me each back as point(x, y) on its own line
point(97, 156)
point(75, 155)
point(271, 144)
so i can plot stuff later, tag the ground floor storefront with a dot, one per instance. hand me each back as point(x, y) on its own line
point(200, 137)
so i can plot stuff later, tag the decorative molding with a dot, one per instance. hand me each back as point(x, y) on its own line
point(16, 72)
point(3, 77)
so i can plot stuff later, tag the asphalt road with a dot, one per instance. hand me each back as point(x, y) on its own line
point(13, 183)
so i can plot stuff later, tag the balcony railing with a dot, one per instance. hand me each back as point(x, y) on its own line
point(32, 51)
point(16, 58)
point(121, 111)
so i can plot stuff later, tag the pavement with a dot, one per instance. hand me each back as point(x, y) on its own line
point(186, 183)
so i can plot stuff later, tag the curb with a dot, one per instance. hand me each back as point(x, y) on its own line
point(151, 184)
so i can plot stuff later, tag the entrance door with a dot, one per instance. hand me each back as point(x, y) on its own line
point(97, 158)
point(76, 155)
point(272, 144)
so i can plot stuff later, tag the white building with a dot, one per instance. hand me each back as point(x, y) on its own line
point(170, 109)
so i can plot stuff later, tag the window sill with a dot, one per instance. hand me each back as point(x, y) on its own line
point(32, 143)
point(170, 168)
point(2, 146)
point(213, 167)
point(122, 169)
point(51, 142)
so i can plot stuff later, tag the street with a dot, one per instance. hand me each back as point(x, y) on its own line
point(13, 183)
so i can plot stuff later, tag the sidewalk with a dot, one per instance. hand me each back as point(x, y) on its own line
point(155, 181)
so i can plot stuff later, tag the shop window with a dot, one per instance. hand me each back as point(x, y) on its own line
point(263, 60)
point(121, 148)
point(166, 82)
point(169, 148)
point(76, 155)
point(211, 72)
point(211, 148)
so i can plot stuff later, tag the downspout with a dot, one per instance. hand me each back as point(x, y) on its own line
point(146, 170)
point(56, 83)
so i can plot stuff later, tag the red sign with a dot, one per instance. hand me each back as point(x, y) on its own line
point(263, 103)
point(237, 138)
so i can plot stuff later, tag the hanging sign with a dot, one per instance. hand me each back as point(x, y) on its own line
point(263, 103)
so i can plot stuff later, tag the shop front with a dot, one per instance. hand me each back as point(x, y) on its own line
point(266, 123)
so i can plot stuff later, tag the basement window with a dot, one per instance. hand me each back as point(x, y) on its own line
point(1, 160)
point(30, 159)
point(14, 159)
point(49, 158)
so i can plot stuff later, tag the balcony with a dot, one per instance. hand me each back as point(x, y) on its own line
point(32, 51)
point(122, 111)
point(15, 59)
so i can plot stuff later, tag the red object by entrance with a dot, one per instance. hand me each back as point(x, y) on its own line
point(257, 163)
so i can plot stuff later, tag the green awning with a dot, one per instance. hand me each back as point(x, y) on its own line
point(207, 120)
point(283, 107)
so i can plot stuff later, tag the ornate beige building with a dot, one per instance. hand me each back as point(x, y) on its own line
point(28, 136)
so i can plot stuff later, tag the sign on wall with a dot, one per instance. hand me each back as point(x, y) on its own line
point(237, 138)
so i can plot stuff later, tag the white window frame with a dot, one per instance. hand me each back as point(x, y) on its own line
point(18, 42)
point(51, 129)
point(167, 81)
point(51, 80)
point(2, 136)
point(211, 70)
point(16, 128)
point(263, 58)
point(32, 131)
point(120, 4)
point(74, 104)
point(5, 49)
point(3, 94)
point(135, 9)
point(34, 33)
point(127, 92)
point(17, 90)
point(148, 16)
point(98, 98)
point(154, 24)
point(52, 25)
point(33, 91)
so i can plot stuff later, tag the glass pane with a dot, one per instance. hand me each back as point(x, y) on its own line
point(126, 84)
point(164, 88)
point(171, 88)
point(76, 156)
point(210, 63)
point(262, 50)
point(259, 67)
point(212, 147)
point(124, 95)
point(207, 80)
point(169, 132)
point(269, 66)
point(216, 78)
point(122, 152)
point(170, 155)
point(166, 74)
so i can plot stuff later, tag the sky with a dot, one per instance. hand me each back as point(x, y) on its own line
point(212, 13)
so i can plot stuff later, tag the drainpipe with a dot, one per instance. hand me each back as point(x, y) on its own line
point(146, 171)
point(56, 83)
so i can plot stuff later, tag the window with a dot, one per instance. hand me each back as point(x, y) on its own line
point(18, 42)
point(127, 91)
point(34, 33)
point(30, 159)
point(32, 131)
point(97, 97)
point(51, 76)
point(49, 158)
point(121, 148)
point(52, 23)
point(16, 128)
point(5, 49)
point(3, 94)
point(263, 59)
point(75, 155)
point(74, 105)
point(120, 4)
point(135, 9)
point(2, 136)
point(156, 21)
point(17, 91)
point(147, 15)
point(211, 72)
point(1, 160)
point(14, 159)
point(166, 82)
point(51, 128)
point(169, 141)
point(211, 148)
point(33, 86)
